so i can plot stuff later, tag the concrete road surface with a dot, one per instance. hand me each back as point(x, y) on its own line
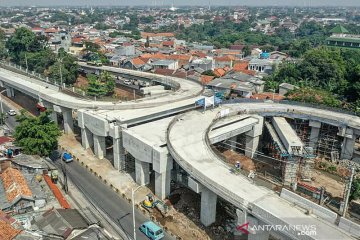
point(116, 208)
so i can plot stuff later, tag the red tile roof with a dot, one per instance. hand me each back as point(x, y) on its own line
point(5, 139)
point(138, 61)
point(267, 95)
point(51, 30)
point(219, 72)
point(14, 184)
point(166, 72)
point(168, 43)
point(163, 34)
point(205, 79)
point(7, 232)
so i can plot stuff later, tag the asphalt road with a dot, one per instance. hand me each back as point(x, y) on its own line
point(10, 121)
point(116, 208)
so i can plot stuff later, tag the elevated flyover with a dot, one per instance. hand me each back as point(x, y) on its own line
point(189, 144)
point(185, 90)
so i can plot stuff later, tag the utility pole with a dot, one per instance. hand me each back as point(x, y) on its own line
point(348, 192)
point(26, 63)
point(61, 77)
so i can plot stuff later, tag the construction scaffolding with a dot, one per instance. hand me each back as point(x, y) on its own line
point(329, 143)
point(301, 128)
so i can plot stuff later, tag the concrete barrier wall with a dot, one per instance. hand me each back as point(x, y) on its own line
point(349, 226)
point(318, 210)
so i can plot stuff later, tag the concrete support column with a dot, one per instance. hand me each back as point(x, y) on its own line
point(119, 154)
point(87, 139)
point(314, 134)
point(252, 138)
point(162, 184)
point(251, 146)
point(232, 141)
point(10, 92)
point(347, 149)
point(142, 172)
point(54, 117)
point(208, 207)
point(246, 221)
point(68, 120)
point(99, 146)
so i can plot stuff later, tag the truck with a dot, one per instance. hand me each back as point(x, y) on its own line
point(97, 63)
point(54, 174)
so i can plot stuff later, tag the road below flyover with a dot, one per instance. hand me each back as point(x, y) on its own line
point(117, 209)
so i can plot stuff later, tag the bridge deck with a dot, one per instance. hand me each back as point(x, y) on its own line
point(187, 144)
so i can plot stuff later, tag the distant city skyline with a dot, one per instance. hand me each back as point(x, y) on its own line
point(300, 3)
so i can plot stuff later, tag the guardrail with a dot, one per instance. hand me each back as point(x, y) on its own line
point(295, 103)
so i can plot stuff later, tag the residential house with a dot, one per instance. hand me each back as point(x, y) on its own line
point(203, 63)
point(168, 44)
point(226, 61)
point(231, 87)
point(60, 222)
point(261, 65)
point(165, 64)
point(181, 58)
point(203, 48)
point(139, 64)
point(15, 194)
point(125, 50)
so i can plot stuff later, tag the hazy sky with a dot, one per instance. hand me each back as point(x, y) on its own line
point(181, 2)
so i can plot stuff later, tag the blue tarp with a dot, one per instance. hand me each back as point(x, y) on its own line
point(200, 102)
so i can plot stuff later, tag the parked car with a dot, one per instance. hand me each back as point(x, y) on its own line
point(11, 112)
point(67, 157)
point(127, 82)
point(55, 155)
point(151, 230)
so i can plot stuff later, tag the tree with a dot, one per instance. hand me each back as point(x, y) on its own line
point(95, 88)
point(355, 189)
point(312, 95)
point(92, 47)
point(209, 73)
point(246, 50)
point(108, 81)
point(23, 40)
point(37, 135)
point(69, 68)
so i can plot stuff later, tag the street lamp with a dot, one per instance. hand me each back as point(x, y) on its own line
point(273, 93)
point(133, 207)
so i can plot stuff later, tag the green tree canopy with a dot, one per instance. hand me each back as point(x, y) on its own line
point(23, 40)
point(37, 135)
point(69, 68)
point(96, 87)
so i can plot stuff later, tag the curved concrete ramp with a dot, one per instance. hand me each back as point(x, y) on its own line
point(187, 144)
point(50, 93)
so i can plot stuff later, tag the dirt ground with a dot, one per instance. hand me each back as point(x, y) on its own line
point(232, 157)
point(321, 179)
point(121, 94)
point(183, 218)
point(81, 82)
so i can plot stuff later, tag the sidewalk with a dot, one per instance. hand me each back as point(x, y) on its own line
point(120, 182)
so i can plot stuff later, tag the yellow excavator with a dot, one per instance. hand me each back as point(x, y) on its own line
point(150, 203)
